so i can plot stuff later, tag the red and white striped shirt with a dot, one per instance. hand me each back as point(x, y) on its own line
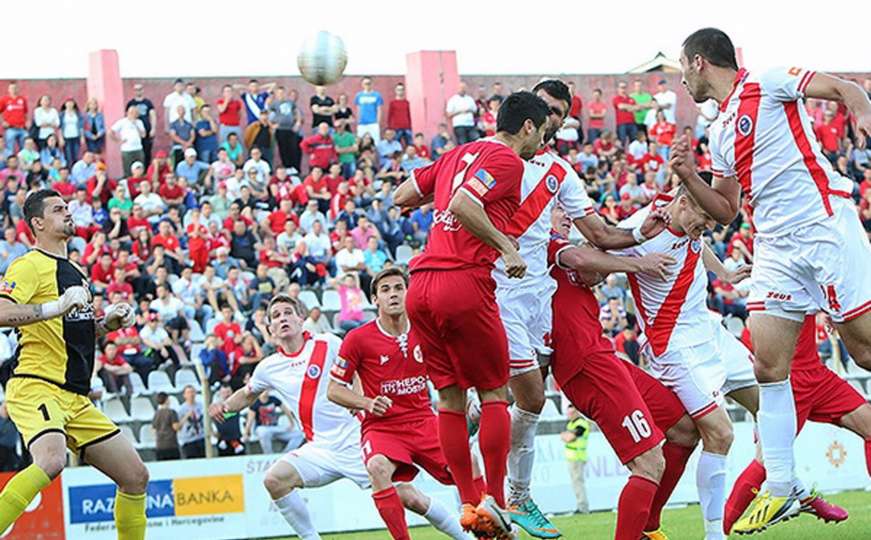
point(764, 137)
point(547, 179)
point(301, 379)
point(672, 312)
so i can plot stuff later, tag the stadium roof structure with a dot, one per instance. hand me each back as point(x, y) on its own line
point(660, 62)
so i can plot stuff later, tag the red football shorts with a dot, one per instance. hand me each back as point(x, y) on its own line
point(605, 392)
point(407, 445)
point(822, 396)
point(664, 405)
point(456, 319)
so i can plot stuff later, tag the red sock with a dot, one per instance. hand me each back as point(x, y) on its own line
point(480, 486)
point(634, 507)
point(494, 439)
point(868, 456)
point(454, 439)
point(676, 457)
point(392, 512)
point(742, 493)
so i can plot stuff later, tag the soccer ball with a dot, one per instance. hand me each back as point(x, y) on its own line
point(322, 59)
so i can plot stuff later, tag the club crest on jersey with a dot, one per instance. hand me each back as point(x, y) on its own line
point(6, 287)
point(384, 359)
point(551, 183)
point(696, 246)
point(745, 124)
point(313, 371)
point(418, 354)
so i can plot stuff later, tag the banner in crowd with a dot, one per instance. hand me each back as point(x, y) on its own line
point(224, 498)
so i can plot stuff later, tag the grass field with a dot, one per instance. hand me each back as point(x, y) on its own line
point(686, 524)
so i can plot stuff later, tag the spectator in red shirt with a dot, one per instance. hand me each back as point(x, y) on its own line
point(169, 242)
point(227, 328)
point(829, 135)
point(334, 178)
point(115, 370)
point(198, 245)
point(101, 186)
point(399, 115)
point(316, 188)
point(15, 123)
point(420, 146)
point(605, 146)
point(320, 148)
point(488, 119)
point(598, 109)
point(118, 285)
point(743, 242)
point(65, 188)
point(576, 111)
point(229, 113)
point(280, 216)
point(624, 109)
point(626, 208)
point(172, 193)
point(663, 132)
point(651, 161)
point(101, 273)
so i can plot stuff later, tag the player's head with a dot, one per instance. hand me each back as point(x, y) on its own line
point(704, 53)
point(388, 291)
point(523, 117)
point(47, 215)
point(286, 315)
point(688, 216)
point(560, 221)
point(556, 94)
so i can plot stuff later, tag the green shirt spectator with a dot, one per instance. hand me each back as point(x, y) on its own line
point(345, 139)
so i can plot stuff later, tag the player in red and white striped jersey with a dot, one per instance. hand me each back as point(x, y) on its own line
point(525, 304)
point(811, 251)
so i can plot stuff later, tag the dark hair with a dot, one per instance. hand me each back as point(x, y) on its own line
point(386, 273)
point(34, 205)
point(713, 45)
point(298, 306)
point(161, 398)
point(518, 108)
point(556, 89)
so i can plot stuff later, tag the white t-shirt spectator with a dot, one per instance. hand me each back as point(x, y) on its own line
point(128, 131)
point(46, 116)
point(287, 243)
point(82, 213)
point(318, 246)
point(707, 111)
point(348, 259)
point(169, 309)
point(187, 291)
point(173, 100)
point(462, 103)
point(154, 337)
point(263, 169)
point(662, 99)
point(307, 219)
point(150, 203)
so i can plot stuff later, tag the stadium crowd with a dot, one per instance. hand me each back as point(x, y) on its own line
point(259, 193)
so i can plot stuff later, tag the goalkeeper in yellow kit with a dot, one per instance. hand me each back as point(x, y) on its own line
point(45, 296)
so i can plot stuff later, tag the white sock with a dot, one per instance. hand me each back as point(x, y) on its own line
point(711, 482)
point(798, 488)
point(442, 519)
point(295, 512)
point(524, 425)
point(777, 434)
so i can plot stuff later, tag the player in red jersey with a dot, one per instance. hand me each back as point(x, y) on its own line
point(635, 412)
point(399, 425)
point(451, 301)
point(820, 395)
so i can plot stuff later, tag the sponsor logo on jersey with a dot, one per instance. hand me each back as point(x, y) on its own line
point(418, 354)
point(745, 124)
point(313, 371)
point(551, 183)
point(6, 287)
point(774, 295)
point(404, 387)
point(447, 220)
point(384, 359)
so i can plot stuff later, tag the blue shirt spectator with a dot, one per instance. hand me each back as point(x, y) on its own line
point(255, 100)
point(388, 146)
point(191, 169)
point(368, 103)
point(10, 249)
point(182, 129)
point(207, 145)
point(83, 169)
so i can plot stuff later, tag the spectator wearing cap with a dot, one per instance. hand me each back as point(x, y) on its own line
point(369, 104)
point(258, 135)
point(175, 99)
point(100, 186)
point(258, 164)
point(320, 148)
point(157, 169)
point(128, 131)
point(182, 134)
point(84, 168)
point(666, 101)
point(196, 172)
point(229, 113)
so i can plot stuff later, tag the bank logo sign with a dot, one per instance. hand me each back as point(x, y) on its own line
point(194, 496)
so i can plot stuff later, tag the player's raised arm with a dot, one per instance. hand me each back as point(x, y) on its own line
point(605, 236)
point(721, 200)
point(240, 399)
point(588, 260)
point(713, 264)
point(824, 86)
